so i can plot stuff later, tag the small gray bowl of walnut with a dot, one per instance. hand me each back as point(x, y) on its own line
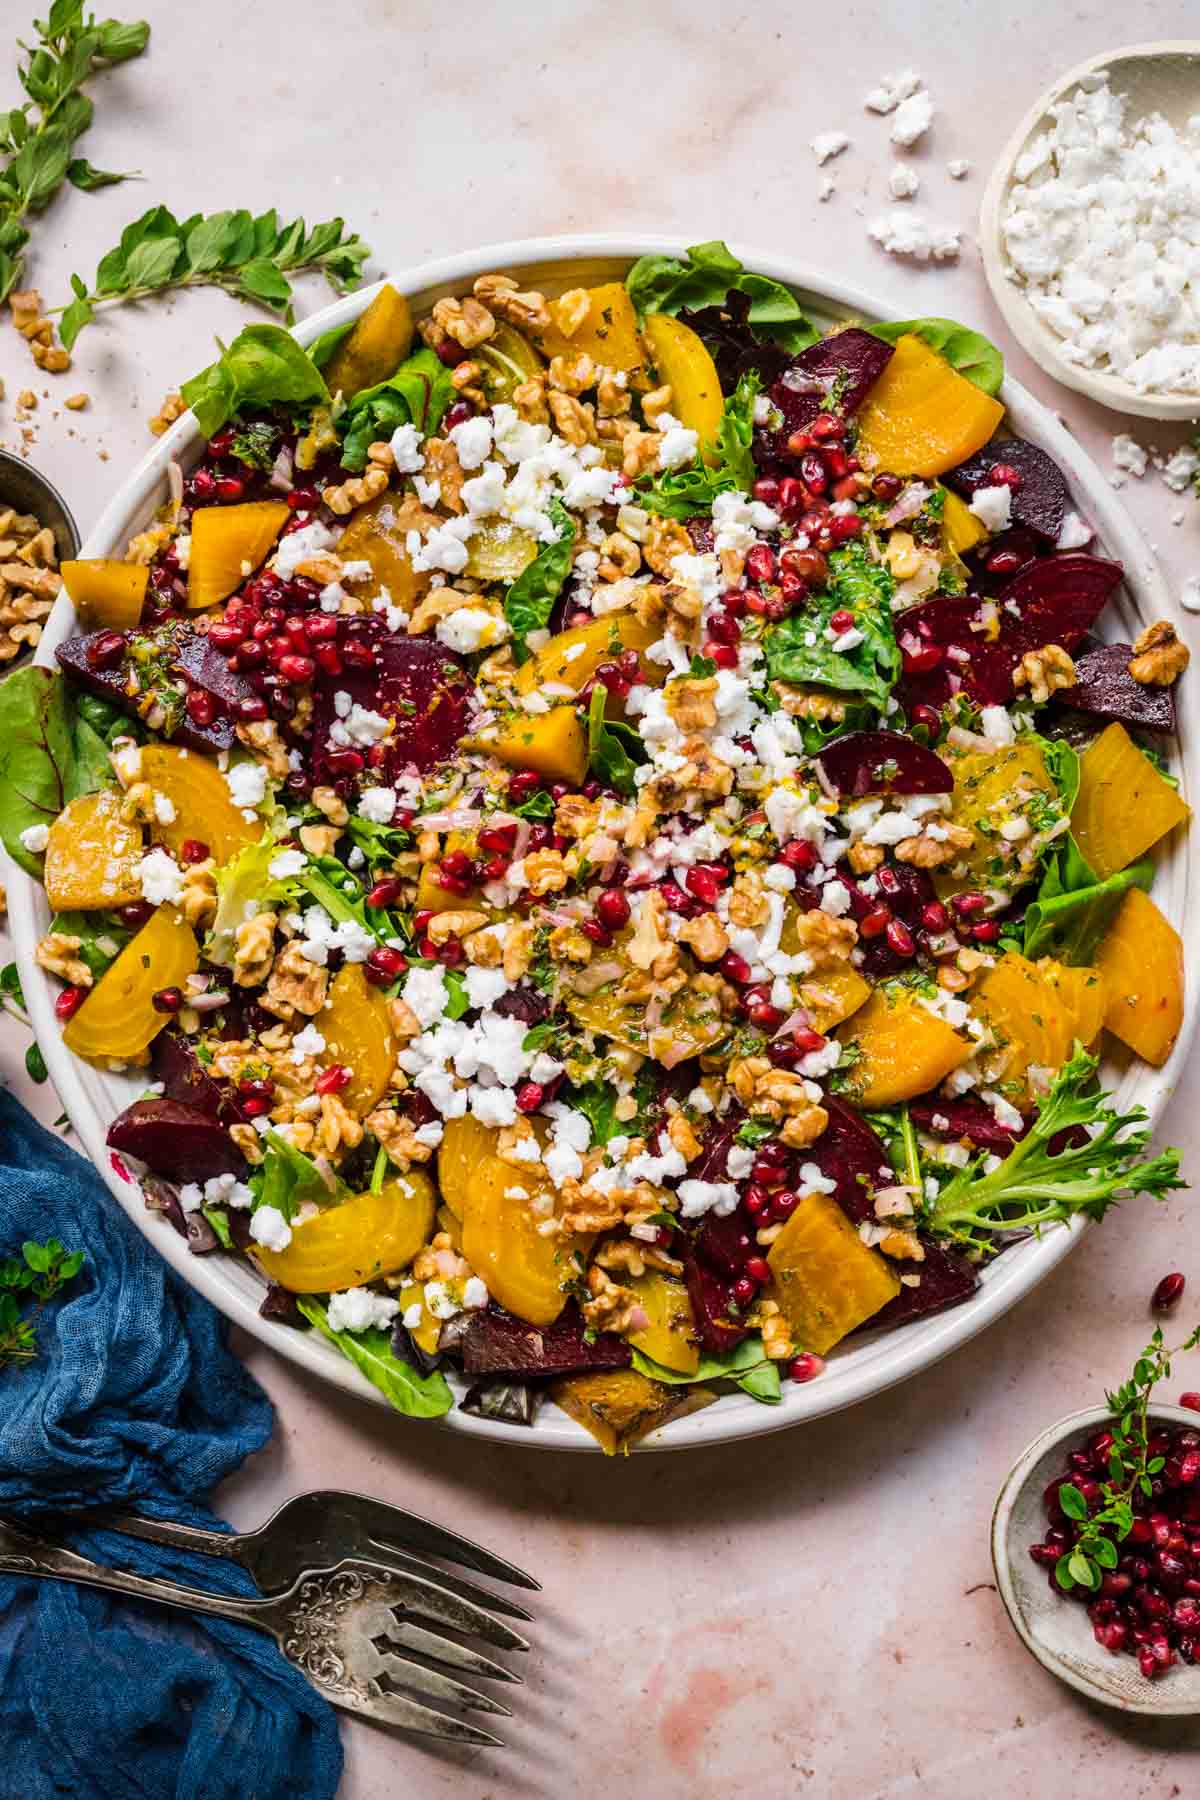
point(37, 533)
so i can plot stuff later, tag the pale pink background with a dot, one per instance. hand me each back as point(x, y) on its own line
point(811, 1613)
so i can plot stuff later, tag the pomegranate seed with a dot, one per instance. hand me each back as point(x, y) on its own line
point(496, 868)
point(767, 489)
point(827, 426)
point(900, 938)
point(303, 499)
point(799, 854)
point(256, 1090)
point(875, 922)
point(1191, 1401)
point(452, 953)
point(761, 565)
point(793, 496)
point(333, 1079)
point(540, 837)
point(812, 473)
point(319, 628)
point(457, 862)
point(725, 656)
point(836, 463)
point(612, 909)
point(987, 932)
point(734, 602)
point(345, 762)
point(229, 488)
point(523, 785)
point(203, 484)
point(167, 1000)
point(137, 914)
point(224, 635)
point(734, 968)
point(765, 1017)
point(1003, 474)
point(1168, 1293)
point(758, 1269)
point(928, 716)
point(934, 916)
point(201, 707)
point(744, 1290)
point(969, 906)
point(69, 1002)
point(844, 526)
point(105, 650)
point(1003, 562)
point(194, 850)
point(255, 1106)
point(705, 881)
point(791, 588)
point(328, 660)
point(297, 669)
point(497, 837)
point(809, 565)
point(384, 892)
point(886, 487)
point(755, 1202)
point(923, 661)
point(724, 629)
point(842, 620)
point(529, 1096)
point(805, 1367)
point(851, 487)
point(383, 965)
point(595, 932)
point(808, 1042)
point(459, 413)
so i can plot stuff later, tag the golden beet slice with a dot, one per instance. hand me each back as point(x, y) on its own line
point(228, 544)
point(92, 855)
point(118, 1020)
point(1123, 805)
point(922, 417)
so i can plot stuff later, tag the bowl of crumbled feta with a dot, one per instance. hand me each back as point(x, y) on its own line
point(1088, 230)
point(582, 830)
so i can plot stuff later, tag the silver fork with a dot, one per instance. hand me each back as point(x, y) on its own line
point(348, 1628)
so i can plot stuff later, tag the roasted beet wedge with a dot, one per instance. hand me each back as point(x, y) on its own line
point(495, 1343)
point(946, 1280)
point(412, 680)
point(849, 1153)
point(175, 660)
point(175, 1140)
point(1039, 502)
point(174, 1062)
point(712, 1307)
point(1105, 688)
point(1052, 601)
point(883, 762)
point(955, 1119)
point(841, 370)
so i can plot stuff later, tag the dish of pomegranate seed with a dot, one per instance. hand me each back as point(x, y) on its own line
point(600, 828)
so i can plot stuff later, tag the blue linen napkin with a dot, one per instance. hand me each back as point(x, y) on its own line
point(134, 1398)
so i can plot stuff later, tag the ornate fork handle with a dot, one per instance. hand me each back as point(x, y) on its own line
point(21, 1553)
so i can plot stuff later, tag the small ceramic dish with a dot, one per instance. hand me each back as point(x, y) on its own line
point(22, 487)
point(1154, 78)
point(1058, 1631)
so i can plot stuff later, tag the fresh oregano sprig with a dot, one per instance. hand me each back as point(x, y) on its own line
point(39, 1273)
point(251, 258)
point(36, 138)
point(1131, 1470)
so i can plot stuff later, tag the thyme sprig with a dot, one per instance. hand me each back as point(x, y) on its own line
point(1131, 1471)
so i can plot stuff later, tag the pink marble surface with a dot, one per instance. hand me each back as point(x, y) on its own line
point(811, 1613)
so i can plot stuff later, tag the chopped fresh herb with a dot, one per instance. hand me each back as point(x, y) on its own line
point(38, 1274)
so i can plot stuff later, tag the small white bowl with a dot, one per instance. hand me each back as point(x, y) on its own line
point(1055, 1629)
point(1162, 78)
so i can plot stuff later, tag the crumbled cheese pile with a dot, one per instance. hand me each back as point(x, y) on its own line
point(1101, 231)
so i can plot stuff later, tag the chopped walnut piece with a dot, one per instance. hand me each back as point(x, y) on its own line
point(683, 1137)
point(173, 407)
point(262, 737)
point(445, 925)
point(442, 465)
point(466, 321)
point(529, 398)
point(397, 1135)
point(632, 1256)
point(56, 954)
point(620, 557)
point(1044, 671)
point(572, 374)
point(38, 331)
point(254, 949)
point(611, 1307)
point(573, 420)
point(295, 985)
point(778, 1342)
point(77, 402)
point(339, 1129)
point(807, 703)
point(544, 872)
point(1159, 658)
point(518, 950)
point(828, 941)
point(355, 492)
point(692, 702)
point(318, 840)
point(524, 311)
point(327, 800)
point(639, 452)
point(928, 851)
point(198, 895)
point(705, 937)
point(655, 403)
point(748, 900)
point(864, 858)
point(248, 1142)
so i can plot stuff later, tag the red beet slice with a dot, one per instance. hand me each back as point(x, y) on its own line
point(838, 372)
point(947, 1279)
point(413, 680)
point(1039, 503)
point(495, 1343)
point(1053, 601)
point(712, 1300)
point(954, 1119)
point(177, 646)
point(184, 1078)
point(175, 1140)
point(849, 1153)
point(873, 762)
point(1105, 688)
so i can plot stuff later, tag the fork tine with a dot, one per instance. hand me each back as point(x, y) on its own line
point(407, 1636)
point(410, 1715)
point(380, 1520)
point(389, 1556)
point(435, 1685)
point(417, 1594)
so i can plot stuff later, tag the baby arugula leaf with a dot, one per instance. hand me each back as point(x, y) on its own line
point(969, 352)
point(251, 258)
point(664, 284)
point(530, 599)
point(36, 138)
point(1032, 1187)
point(422, 1396)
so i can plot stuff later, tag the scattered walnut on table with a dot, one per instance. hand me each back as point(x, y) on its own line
point(1159, 658)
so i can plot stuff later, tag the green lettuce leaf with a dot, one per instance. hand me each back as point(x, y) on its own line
point(420, 1396)
point(869, 669)
point(49, 754)
point(530, 599)
point(745, 1365)
point(1074, 908)
point(610, 744)
point(973, 355)
point(264, 366)
point(682, 493)
point(663, 284)
point(244, 887)
point(286, 1178)
point(101, 936)
point(417, 394)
